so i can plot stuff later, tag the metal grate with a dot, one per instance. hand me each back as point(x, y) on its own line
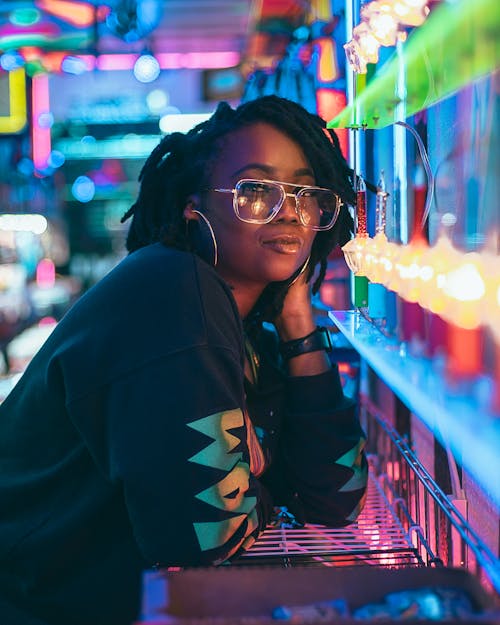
point(377, 537)
point(439, 527)
point(407, 520)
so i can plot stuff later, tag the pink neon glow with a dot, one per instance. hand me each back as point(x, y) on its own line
point(167, 60)
point(40, 135)
point(45, 273)
point(47, 321)
point(198, 60)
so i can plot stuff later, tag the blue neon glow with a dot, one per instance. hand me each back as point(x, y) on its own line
point(459, 417)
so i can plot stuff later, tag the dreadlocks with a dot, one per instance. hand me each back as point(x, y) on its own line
point(181, 165)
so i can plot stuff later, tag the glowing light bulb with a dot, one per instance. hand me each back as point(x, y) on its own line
point(373, 253)
point(410, 13)
point(367, 42)
point(146, 68)
point(389, 253)
point(465, 283)
point(494, 321)
point(354, 252)
point(355, 249)
point(408, 267)
point(435, 264)
point(465, 289)
point(384, 28)
point(382, 23)
point(491, 308)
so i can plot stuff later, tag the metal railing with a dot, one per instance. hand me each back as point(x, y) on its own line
point(407, 520)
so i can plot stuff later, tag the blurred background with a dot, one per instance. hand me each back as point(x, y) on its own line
point(87, 88)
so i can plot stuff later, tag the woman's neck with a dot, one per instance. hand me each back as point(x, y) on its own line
point(246, 297)
point(245, 301)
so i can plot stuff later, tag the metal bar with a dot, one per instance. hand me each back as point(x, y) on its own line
point(483, 555)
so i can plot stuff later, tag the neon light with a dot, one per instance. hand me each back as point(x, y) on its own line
point(16, 120)
point(26, 16)
point(52, 61)
point(455, 46)
point(459, 420)
point(55, 40)
point(10, 33)
point(47, 322)
point(210, 60)
point(329, 103)
point(328, 67)
point(37, 224)
point(11, 60)
point(115, 61)
point(167, 60)
point(81, 14)
point(40, 131)
point(45, 273)
point(182, 122)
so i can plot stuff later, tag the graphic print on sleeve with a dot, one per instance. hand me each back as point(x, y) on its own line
point(229, 493)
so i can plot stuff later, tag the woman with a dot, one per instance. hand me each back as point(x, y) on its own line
point(189, 391)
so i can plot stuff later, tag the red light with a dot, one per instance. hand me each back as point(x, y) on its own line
point(330, 102)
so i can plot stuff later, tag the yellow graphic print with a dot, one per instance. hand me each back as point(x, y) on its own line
point(229, 493)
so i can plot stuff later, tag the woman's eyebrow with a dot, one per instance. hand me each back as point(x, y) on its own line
point(269, 170)
point(265, 168)
point(305, 171)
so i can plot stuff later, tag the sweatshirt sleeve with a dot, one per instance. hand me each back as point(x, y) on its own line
point(174, 444)
point(320, 469)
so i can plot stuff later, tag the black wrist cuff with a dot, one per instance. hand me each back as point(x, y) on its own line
point(317, 340)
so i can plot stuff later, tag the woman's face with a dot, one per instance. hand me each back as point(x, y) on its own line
point(253, 255)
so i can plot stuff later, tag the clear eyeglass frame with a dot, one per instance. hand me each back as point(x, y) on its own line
point(302, 192)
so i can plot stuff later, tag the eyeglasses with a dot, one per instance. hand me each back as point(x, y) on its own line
point(259, 201)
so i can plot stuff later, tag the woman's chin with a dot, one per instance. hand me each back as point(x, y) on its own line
point(284, 276)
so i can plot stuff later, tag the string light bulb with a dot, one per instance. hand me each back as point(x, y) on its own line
point(381, 21)
point(367, 42)
point(355, 249)
point(491, 308)
point(435, 264)
point(410, 12)
point(377, 246)
point(465, 289)
point(407, 270)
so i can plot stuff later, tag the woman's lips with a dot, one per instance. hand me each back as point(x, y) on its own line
point(283, 244)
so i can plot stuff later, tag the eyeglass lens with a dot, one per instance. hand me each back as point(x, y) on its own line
point(257, 201)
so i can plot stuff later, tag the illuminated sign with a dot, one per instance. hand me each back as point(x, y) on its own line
point(12, 101)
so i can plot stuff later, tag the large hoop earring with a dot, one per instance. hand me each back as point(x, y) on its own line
point(301, 271)
point(201, 247)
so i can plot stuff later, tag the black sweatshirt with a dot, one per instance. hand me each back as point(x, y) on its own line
point(126, 444)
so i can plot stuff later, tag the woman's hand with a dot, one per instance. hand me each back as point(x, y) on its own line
point(296, 318)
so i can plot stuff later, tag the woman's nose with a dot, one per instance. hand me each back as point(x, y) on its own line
point(288, 210)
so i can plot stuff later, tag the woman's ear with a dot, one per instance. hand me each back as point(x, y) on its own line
point(192, 206)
